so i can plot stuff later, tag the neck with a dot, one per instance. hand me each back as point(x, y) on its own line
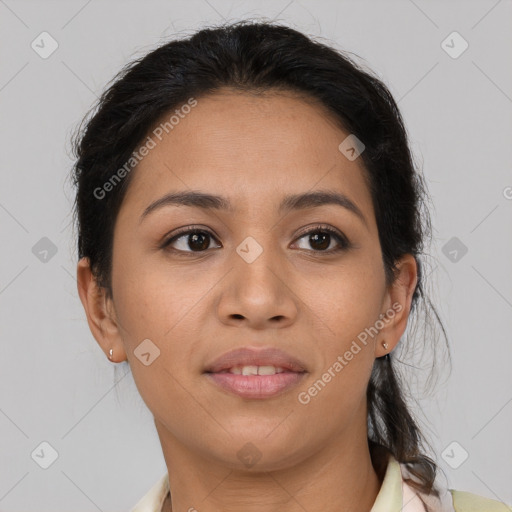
point(340, 478)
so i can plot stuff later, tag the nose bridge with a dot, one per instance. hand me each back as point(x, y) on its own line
point(257, 290)
point(257, 260)
point(257, 238)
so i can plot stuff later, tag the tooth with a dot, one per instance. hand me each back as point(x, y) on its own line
point(254, 370)
point(266, 370)
point(250, 370)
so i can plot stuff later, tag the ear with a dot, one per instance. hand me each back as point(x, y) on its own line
point(397, 305)
point(100, 312)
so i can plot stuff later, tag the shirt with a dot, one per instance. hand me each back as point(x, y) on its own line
point(395, 495)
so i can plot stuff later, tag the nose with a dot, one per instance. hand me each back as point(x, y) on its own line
point(258, 293)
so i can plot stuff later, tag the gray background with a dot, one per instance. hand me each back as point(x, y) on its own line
point(56, 384)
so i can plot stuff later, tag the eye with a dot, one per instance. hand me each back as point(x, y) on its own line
point(321, 238)
point(194, 239)
point(190, 239)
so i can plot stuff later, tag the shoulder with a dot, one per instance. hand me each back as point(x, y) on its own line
point(469, 502)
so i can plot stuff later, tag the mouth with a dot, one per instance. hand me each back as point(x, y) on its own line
point(256, 373)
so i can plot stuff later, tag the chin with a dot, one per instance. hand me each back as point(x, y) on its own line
point(256, 450)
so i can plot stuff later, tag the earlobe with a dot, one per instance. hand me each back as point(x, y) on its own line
point(99, 311)
point(398, 305)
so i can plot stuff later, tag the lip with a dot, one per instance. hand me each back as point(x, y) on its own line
point(256, 386)
point(248, 356)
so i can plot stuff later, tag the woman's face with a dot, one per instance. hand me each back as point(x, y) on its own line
point(252, 277)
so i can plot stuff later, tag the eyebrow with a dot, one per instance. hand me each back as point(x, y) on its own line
point(291, 202)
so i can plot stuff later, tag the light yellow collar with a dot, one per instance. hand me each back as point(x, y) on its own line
point(154, 499)
point(390, 494)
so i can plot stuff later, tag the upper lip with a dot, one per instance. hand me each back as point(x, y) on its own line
point(248, 356)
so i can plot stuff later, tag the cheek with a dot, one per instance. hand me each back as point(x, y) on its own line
point(164, 305)
point(152, 307)
point(348, 301)
point(349, 297)
point(349, 305)
point(148, 300)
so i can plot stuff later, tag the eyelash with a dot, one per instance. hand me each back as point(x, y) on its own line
point(343, 242)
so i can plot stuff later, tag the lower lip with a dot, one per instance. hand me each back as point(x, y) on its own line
point(256, 386)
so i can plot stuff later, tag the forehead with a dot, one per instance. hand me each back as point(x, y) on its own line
point(254, 148)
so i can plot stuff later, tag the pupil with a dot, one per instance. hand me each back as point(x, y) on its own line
point(198, 237)
point(325, 238)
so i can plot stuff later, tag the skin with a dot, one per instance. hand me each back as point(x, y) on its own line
point(254, 150)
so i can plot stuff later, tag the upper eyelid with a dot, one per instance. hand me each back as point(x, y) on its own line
point(320, 227)
point(305, 231)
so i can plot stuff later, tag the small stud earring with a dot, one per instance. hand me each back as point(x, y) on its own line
point(110, 356)
point(385, 345)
